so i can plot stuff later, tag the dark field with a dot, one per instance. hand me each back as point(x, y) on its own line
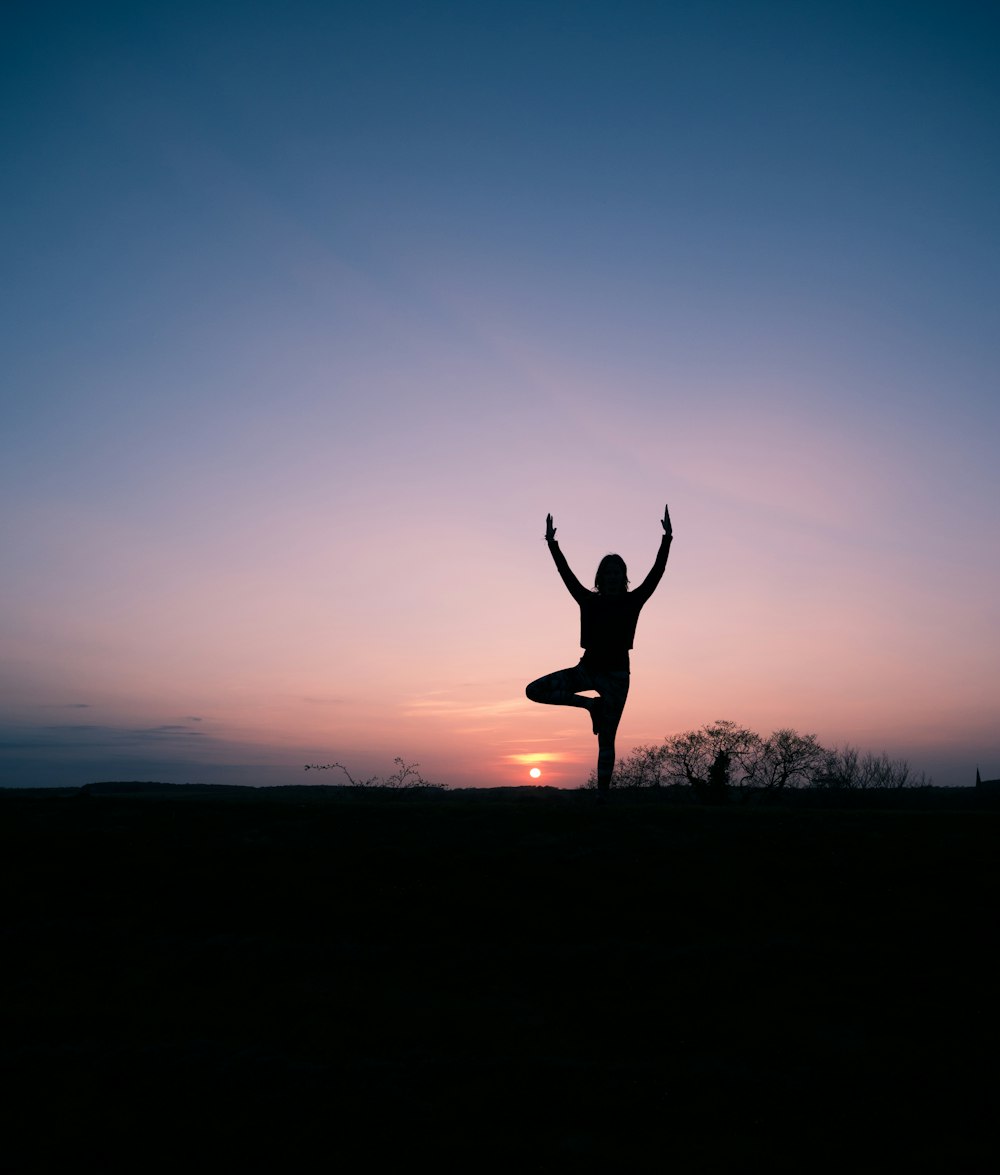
point(505, 978)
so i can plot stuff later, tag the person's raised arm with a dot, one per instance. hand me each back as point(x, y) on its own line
point(575, 587)
point(648, 585)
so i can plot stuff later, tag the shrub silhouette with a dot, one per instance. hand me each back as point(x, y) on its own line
point(406, 775)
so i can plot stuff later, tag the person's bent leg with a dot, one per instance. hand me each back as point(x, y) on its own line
point(560, 689)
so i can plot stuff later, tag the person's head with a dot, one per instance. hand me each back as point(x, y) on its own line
point(612, 576)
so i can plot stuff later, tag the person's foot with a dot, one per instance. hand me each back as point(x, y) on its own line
point(596, 708)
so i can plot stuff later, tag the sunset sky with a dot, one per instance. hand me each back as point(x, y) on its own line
point(312, 311)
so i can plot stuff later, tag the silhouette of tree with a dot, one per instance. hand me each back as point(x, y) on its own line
point(848, 768)
point(723, 754)
point(740, 745)
point(788, 758)
point(691, 755)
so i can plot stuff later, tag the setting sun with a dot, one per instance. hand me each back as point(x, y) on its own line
point(535, 773)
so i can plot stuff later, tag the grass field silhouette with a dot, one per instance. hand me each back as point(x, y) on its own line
point(513, 974)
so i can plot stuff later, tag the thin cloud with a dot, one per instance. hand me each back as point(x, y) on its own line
point(65, 738)
point(450, 708)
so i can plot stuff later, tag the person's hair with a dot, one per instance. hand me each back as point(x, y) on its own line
point(605, 565)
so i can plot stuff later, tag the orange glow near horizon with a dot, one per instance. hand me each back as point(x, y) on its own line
point(534, 758)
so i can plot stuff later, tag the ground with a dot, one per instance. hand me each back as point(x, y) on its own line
point(503, 977)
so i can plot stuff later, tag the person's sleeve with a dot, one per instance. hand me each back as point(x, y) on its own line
point(575, 587)
point(648, 585)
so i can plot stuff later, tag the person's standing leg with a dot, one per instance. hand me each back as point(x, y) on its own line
point(614, 692)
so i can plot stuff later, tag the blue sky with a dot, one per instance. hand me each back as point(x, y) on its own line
point(313, 312)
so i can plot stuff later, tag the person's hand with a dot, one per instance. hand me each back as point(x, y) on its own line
point(550, 530)
point(668, 530)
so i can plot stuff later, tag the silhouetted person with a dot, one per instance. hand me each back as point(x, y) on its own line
point(608, 618)
point(718, 778)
